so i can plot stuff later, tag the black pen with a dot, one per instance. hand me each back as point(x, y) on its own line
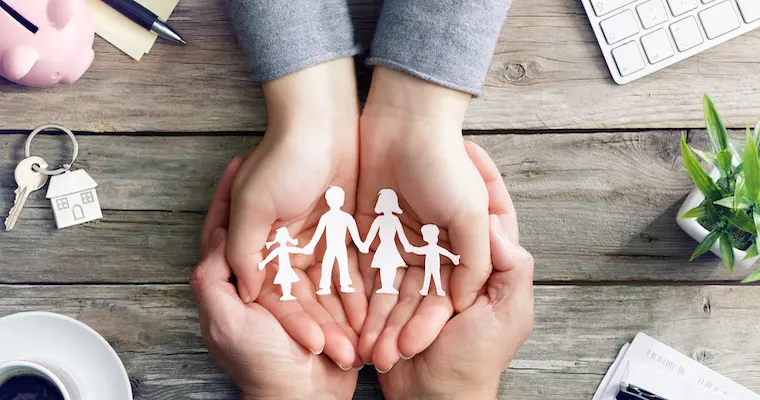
point(145, 18)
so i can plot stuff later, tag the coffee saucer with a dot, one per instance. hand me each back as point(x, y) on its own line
point(70, 346)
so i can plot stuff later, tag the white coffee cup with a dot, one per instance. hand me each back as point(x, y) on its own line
point(65, 384)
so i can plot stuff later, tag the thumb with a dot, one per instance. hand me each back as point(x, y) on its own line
point(510, 287)
point(213, 274)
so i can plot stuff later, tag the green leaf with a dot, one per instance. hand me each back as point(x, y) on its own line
point(728, 202)
point(737, 150)
point(751, 252)
point(696, 212)
point(756, 221)
point(753, 278)
point(740, 194)
point(751, 166)
point(715, 128)
point(707, 157)
point(756, 134)
point(727, 252)
point(724, 162)
point(704, 183)
point(706, 244)
point(741, 220)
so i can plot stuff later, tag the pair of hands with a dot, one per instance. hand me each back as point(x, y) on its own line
point(411, 142)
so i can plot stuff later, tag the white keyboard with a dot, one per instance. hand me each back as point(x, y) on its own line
point(639, 37)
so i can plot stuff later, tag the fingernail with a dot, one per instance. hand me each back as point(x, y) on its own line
point(316, 353)
point(217, 237)
point(344, 368)
point(384, 372)
point(244, 293)
point(403, 357)
point(358, 368)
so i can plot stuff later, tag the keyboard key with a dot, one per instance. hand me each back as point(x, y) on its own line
point(719, 20)
point(652, 13)
point(657, 46)
point(619, 27)
point(678, 7)
point(686, 34)
point(628, 58)
point(750, 10)
point(604, 7)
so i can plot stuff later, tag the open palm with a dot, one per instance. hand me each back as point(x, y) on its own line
point(249, 341)
point(282, 183)
point(427, 164)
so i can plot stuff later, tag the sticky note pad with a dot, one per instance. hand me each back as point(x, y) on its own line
point(126, 35)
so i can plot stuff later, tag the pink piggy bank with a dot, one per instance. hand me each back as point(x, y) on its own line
point(44, 42)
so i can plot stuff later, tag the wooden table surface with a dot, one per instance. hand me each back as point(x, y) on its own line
point(593, 167)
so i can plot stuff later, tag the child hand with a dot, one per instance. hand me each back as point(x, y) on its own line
point(419, 135)
point(311, 143)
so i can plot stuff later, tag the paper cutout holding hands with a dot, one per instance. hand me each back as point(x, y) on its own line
point(387, 225)
point(285, 276)
point(433, 253)
point(334, 224)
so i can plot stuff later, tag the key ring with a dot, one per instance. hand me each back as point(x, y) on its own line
point(64, 167)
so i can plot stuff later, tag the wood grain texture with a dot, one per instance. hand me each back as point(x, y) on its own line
point(547, 73)
point(579, 330)
point(592, 207)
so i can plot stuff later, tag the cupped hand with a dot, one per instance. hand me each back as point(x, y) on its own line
point(411, 141)
point(466, 360)
point(248, 341)
point(311, 143)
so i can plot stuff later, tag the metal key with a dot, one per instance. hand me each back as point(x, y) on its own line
point(28, 180)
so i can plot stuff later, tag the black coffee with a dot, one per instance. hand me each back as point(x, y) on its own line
point(29, 387)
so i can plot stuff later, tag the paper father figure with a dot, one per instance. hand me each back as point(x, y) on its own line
point(334, 224)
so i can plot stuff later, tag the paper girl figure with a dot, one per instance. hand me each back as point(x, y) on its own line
point(285, 275)
point(334, 225)
point(433, 253)
point(387, 257)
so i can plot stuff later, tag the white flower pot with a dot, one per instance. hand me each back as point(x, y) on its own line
point(698, 232)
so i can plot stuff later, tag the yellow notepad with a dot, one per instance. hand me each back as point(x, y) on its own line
point(120, 31)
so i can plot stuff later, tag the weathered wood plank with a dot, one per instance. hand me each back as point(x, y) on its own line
point(579, 330)
point(592, 207)
point(547, 73)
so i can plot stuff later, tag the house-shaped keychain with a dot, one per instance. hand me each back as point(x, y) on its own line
point(74, 198)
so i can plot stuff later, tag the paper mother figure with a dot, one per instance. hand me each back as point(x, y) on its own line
point(433, 252)
point(387, 226)
point(334, 224)
point(285, 276)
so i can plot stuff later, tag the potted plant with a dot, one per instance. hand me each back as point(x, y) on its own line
point(723, 212)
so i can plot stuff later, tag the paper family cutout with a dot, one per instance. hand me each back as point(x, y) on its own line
point(336, 223)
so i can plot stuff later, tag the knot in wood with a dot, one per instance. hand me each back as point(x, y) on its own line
point(514, 72)
point(706, 307)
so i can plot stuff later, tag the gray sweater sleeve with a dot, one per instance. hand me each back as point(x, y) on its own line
point(281, 37)
point(447, 42)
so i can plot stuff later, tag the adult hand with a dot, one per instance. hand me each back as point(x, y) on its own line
point(477, 345)
point(311, 143)
point(247, 340)
point(411, 141)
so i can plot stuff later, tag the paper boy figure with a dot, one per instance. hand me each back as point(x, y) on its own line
point(433, 253)
point(285, 276)
point(334, 225)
